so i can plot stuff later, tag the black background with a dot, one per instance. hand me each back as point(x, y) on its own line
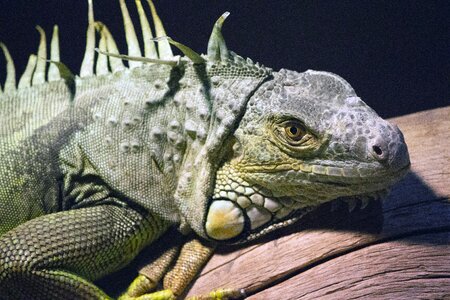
point(396, 54)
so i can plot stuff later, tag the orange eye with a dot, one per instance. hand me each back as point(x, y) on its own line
point(294, 131)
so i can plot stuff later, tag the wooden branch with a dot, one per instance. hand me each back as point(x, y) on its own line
point(400, 249)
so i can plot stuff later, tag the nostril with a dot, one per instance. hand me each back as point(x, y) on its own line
point(377, 150)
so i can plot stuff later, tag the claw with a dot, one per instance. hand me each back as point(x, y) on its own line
point(364, 202)
point(159, 295)
point(351, 204)
point(220, 294)
point(140, 285)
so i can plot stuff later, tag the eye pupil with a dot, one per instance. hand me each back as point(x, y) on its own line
point(293, 130)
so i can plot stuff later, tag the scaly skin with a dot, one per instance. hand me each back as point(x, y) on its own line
point(341, 147)
point(96, 167)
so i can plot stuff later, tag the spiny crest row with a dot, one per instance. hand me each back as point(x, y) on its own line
point(109, 58)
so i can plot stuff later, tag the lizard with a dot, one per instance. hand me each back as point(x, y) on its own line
point(95, 167)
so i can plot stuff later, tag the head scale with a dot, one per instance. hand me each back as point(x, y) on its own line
point(305, 139)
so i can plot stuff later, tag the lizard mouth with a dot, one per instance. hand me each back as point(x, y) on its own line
point(257, 221)
point(334, 181)
point(242, 211)
point(333, 173)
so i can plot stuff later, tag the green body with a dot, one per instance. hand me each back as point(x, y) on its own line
point(108, 163)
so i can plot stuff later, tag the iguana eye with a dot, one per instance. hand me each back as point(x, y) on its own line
point(293, 134)
point(294, 130)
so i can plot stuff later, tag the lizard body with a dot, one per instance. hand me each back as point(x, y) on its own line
point(96, 167)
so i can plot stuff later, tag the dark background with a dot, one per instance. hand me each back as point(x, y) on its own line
point(396, 54)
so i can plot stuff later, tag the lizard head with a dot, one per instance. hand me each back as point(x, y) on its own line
point(305, 139)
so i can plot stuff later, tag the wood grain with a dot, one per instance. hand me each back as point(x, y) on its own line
point(391, 270)
point(399, 249)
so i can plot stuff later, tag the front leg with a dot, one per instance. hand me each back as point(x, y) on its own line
point(57, 256)
point(192, 257)
point(151, 274)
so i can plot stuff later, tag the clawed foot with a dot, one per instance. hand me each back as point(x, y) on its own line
point(220, 294)
point(141, 282)
point(138, 290)
point(159, 295)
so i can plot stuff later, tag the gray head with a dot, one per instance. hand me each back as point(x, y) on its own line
point(305, 139)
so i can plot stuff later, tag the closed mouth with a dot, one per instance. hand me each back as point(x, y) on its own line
point(332, 175)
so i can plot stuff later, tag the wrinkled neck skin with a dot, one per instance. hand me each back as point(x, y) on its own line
point(305, 139)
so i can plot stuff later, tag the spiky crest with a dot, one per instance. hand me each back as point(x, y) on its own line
point(217, 49)
point(87, 66)
point(25, 80)
point(110, 60)
point(10, 84)
point(149, 46)
point(53, 72)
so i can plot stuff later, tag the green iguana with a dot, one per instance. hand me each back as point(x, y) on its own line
point(95, 167)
